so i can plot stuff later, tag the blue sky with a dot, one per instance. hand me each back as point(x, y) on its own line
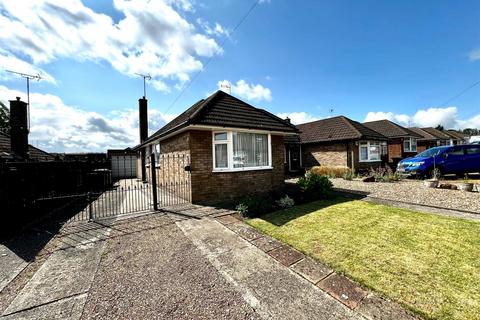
point(400, 60)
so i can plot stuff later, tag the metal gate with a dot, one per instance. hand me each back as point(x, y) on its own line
point(166, 186)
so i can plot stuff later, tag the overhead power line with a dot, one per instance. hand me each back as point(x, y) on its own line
point(459, 94)
point(189, 83)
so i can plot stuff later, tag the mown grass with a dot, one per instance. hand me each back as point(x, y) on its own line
point(428, 263)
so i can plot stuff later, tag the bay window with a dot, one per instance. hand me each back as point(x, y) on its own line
point(410, 145)
point(238, 150)
point(369, 151)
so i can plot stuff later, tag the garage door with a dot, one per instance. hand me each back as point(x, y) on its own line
point(124, 166)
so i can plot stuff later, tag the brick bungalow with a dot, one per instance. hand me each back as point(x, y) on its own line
point(439, 137)
point(456, 137)
point(426, 141)
point(340, 141)
point(234, 149)
point(402, 142)
point(34, 154)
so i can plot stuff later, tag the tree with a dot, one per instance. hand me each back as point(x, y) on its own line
point(471, 131)
point(4, 118)
point(439, 127)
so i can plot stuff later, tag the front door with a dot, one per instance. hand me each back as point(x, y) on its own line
point(294, 158)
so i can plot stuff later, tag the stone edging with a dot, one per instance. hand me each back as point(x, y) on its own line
point(341, 288)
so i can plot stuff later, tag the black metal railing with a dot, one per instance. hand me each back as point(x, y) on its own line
point(167, 184)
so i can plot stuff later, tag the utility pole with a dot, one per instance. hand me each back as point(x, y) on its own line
point(145, 78)
point(28, 77)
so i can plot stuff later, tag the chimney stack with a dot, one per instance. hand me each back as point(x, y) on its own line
point(287, 119)
point(19, 128)
point(143, 118)
point(143, 124)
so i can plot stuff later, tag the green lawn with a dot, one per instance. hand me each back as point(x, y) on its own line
point(428, 263)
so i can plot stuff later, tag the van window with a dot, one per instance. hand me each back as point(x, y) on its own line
point(473, 150)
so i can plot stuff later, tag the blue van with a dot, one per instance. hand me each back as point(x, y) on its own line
point(444, 160)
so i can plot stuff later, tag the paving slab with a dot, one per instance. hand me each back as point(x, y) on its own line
point(227, 219)
point(271, 289)
point(343, 289)
point(286, 255)
point(10, 266)
point(244, 231)
point(311, 270)
point(266, 243)
point(70, 308)
point(376, 308)
point(65, 273)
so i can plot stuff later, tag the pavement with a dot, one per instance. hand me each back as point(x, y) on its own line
point(167, 266)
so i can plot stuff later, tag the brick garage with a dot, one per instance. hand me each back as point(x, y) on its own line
point(191, 135)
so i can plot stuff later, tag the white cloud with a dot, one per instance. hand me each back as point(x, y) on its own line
point(58, 127)
point(10, 62)
point(217, 29)
point(474, 55)
point(447, 117)
point(402, 119)
point(152, 37)
point(254, 92)
point(298, 117)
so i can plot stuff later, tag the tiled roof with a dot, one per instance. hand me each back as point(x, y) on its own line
point(455, 134)
point(336, 129)
point(390, 129)
point(425, 135)
point(224, 110)
point(436, 133)
point(35, 153)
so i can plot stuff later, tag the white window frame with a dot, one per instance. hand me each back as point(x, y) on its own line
point(412, 145)
point(229, 143)
point(368, 144)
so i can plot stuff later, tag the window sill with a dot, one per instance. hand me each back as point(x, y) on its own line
point(369, 160)
point(241, 169)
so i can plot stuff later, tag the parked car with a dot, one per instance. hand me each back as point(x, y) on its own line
point(442, 160)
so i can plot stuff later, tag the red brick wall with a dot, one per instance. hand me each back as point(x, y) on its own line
point(395, 149)
point(212, 186)
point(325, 154)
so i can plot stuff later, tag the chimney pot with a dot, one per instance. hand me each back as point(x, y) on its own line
point(18, 98)
point(287, 119)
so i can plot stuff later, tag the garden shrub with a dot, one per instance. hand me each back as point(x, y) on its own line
point(315, 186)
point(285, 202)
point(330, 171)
point(349, 175)
point(384, 175)
point(254, 205)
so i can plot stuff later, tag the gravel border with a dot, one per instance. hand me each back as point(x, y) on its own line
point(414, 192)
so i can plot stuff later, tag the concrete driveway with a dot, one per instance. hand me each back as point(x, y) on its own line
point(160, 266)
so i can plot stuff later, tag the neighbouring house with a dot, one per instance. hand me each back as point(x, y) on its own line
point(441, 138)
point(340, 141)
point(426, 141)
point(34, 154)
point(15, 147)
point(233, 148)
point(456, 137)
point(402, 142)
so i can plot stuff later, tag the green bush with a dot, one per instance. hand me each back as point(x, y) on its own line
point(285, 202)
point(315, 186)
point(252, 206)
